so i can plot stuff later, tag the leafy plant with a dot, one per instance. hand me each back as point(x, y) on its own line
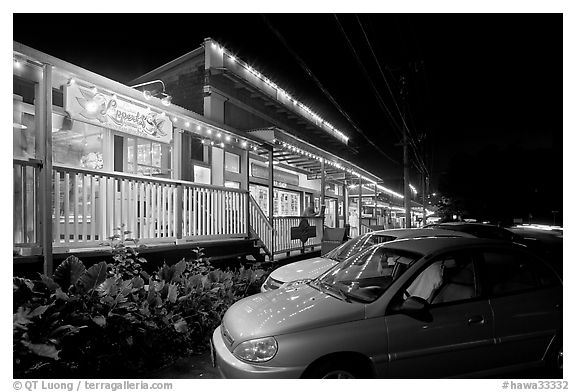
point(116, 320)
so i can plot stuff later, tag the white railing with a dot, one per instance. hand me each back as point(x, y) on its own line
point(365, 229)
point(25, 206)
point(213, 212)
point(283, 226)
point(90, 205)
point(261, 226)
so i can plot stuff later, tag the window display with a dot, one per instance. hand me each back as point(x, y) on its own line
point(286, 203)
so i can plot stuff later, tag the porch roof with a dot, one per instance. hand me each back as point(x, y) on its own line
point(291, 150)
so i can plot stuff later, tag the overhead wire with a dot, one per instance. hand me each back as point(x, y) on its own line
point(324, 90)
point(409, 133)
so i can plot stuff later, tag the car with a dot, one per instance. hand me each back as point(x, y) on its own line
point(409, 308)
point(544, 241)
point(305, 270)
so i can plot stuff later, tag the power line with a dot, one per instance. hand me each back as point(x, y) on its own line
point(324, 90)
point(411, 138)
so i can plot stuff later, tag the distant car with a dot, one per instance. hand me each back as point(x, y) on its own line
point(302, 271)
point(544, 243)
point(412, 308)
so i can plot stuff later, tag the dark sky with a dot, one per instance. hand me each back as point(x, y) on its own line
point(472, 80)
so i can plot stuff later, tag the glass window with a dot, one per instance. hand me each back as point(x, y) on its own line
point(77, 144)
point(152, 158)
point(26, 80)
point(260, 194)
point(198, 150)
point(232, 184)
point(232, 162)
point(202, 174)
point(509, 272)
point(367, 275)
point(286, 203)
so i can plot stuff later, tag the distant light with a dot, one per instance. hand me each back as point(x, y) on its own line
point(209, 131)
point(218, 135)
point(187, 123)
point(17, 63)
point(227, 138)
point(174, 119)
point(198, 127)
point(202, 141)
point(244, 144)
point(222, 145)
point(211, 143)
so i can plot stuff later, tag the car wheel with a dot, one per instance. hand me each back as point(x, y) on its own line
point(336, 370)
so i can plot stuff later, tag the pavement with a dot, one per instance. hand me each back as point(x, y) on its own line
point(196, 367)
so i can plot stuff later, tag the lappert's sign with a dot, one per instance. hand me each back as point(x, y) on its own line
point(100, 109)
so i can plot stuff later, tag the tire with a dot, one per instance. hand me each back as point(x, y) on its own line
point(329, 369)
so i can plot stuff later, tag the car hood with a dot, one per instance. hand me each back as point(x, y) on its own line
point(305, 269)
point(286, 310)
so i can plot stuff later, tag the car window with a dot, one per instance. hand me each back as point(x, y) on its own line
point(357, 245)
point(511, 272)
point(447, 279)
point(365, 276)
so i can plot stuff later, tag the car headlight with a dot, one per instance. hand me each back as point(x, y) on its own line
point(257, 350)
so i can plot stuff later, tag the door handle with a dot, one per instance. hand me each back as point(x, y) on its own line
point(476, 320)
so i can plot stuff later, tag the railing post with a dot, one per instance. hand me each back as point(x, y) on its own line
point(45, 176)
point(178, 211)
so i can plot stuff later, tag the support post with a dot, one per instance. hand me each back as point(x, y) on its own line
point(45, 154)
point(271, 197)
point(423, 199)
point(359, 205)
point(406, 162)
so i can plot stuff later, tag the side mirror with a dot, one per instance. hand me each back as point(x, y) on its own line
point(417, 308)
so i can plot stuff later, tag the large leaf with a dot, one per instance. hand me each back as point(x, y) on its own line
point(69, 271)
point(43, 350)
point(38, 311)
point(93, 276)
point(99, 320)
point(181, 326)
point(108, 287)
point(49, 283)
point(137, 282)
point(21, 318)
point(172, 293)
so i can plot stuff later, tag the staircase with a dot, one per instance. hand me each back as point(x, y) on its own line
point(261, 230)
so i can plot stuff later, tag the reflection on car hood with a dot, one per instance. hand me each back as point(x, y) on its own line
point(286, 310)
point(305, 269)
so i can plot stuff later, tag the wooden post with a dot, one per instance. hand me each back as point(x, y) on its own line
point(178, 211)
point(44, 151)
point(271, 196)
point(359, 205)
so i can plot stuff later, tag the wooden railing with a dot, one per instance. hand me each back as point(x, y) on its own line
point(261, 226)
point(90, 205)
point(25, 206)
point(282, 228)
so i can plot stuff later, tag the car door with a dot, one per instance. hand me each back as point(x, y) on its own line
point(457, 336)
point(526, 298)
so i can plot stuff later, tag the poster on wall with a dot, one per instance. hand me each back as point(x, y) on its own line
point(88, 105)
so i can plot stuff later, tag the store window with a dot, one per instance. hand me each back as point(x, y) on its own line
point(202, 174)
point(198, 150)
point(77, 144)
point(147, 157)
point(232, 184)
point(26, 82)
point(232, 162)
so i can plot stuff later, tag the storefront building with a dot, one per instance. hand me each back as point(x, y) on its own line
point(223, 161)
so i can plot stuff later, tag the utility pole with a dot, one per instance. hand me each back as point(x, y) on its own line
point(423, 199)
point(406, 157)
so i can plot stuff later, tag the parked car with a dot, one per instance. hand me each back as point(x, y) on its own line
point(544, 243)
point(412, 308)
point(305, 270)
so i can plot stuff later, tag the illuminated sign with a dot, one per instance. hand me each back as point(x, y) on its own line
point(89, 105)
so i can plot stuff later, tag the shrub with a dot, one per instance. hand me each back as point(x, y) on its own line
point(115, 320)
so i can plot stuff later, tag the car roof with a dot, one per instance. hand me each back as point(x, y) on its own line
point(421, 232)
point(429, 245)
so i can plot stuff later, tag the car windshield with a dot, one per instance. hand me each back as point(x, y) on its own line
point(365, 276)
point(357, 245)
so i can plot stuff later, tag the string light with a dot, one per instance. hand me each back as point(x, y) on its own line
point(227, 138)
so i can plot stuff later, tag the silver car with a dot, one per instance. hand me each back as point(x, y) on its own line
point(305, 270)
point(414, 308)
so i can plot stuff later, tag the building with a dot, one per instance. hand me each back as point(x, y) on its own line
point(233, 159)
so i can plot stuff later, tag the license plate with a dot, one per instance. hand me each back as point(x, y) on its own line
point(212, 353)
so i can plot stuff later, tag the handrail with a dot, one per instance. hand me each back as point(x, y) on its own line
point(147, 178)
point(33, 162)
point(260, 212)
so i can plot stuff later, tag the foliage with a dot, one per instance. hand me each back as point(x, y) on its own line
point(115, 320)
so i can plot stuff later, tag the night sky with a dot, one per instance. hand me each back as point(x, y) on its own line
point(483, 91)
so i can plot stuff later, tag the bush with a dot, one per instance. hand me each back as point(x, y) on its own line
point(115, 320)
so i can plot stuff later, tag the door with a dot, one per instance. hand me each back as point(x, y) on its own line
point(526, 297)
point(456, 337)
